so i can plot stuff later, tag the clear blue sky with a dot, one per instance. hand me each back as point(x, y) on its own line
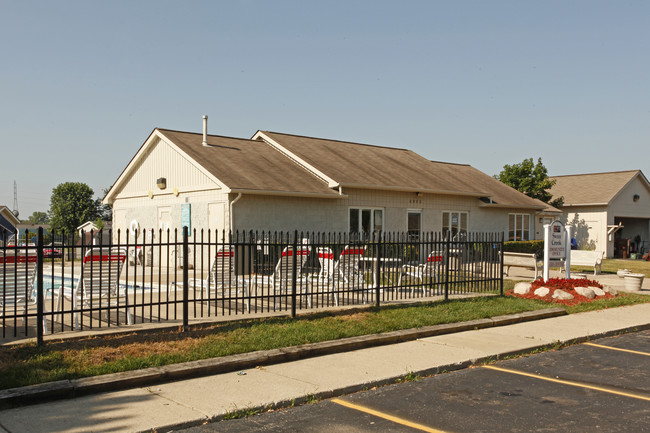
point(488, 83)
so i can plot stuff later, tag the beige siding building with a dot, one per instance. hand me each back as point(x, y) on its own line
point(608, 211)
point(282, 182)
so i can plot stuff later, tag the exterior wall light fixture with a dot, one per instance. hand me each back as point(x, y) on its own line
point(636, 197)
point(161, 183)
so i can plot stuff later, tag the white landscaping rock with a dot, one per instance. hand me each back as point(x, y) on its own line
point(586, 292)
point(542, 291)
point(562, 295)
point(522, 288)
point(612, 291)
point(598, 291)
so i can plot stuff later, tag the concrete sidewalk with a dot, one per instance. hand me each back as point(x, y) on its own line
point(195, 401)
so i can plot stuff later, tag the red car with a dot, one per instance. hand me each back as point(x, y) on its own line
point(51, 252)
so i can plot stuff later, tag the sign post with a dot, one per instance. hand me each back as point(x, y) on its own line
point(555, 247)
point(567, 254)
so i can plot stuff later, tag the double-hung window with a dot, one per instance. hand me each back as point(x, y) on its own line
point(455, 224)
point(366, 220)
point(519, 227)
point(414, 224)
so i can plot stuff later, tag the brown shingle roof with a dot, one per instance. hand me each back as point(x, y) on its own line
point(354, 164)
point(248, 165)
point(591, 189)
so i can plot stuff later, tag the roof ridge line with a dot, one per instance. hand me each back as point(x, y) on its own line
point(338, 141)
point(199, 134)
point(594, 174)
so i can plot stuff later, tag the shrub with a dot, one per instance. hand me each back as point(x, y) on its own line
point(536, 247)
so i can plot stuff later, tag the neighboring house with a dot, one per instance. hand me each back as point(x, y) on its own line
point(608, 211)
point(24, 228)
point(90, 228)
point(283, 182)
point(8, 224)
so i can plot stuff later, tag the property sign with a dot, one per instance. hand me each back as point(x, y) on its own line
point(556, 248)
point(557, 244)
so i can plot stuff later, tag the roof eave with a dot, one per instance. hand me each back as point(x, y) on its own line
point(510, 205)
point(332, 195)
point(584, 204)
point(412, 189)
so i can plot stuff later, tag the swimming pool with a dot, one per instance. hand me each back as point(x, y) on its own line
point(54, 282)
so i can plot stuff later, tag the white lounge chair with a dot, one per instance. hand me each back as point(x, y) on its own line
point(17, 276)
point(327, 275)
point(281, 279)
point(98, 285)
point(348, 269)
point(222, 276)
point(423, 273)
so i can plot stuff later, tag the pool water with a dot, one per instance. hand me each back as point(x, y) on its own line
point(53, 283)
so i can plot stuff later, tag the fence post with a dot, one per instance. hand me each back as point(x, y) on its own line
point(501, 245)
point(447, 263)
point(39, 288)
point(294, 264)
point(186, 280)
point(378, 270)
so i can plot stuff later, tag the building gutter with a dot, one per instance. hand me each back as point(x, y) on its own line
point(230, 211)
point(413, 189)
point(331, 195)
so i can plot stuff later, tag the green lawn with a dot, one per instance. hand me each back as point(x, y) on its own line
point(610, 266)
point(28, 364)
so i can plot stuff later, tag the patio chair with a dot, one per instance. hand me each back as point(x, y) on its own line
point(222, 276)
point(281, 279)
point(98, 285)
point(423, 272)
point(326, 276)
point(348, 269)
point(17, 277)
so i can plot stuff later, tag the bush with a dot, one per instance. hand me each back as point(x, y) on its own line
point(536, 247)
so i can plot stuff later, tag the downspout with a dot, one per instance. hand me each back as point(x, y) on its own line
point(231, 210)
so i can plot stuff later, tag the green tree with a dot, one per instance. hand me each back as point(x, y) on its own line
point(71, 205)
point(104, 211)
point(38, 218)
point(531, 179)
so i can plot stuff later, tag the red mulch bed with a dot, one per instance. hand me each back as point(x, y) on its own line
point(568, 285)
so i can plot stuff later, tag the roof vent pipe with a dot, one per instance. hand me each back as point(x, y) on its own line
point(205, 130)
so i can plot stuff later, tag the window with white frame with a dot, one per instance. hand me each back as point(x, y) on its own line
point(366, 220)
point(455, 223)
point(519, 227)
point(414, 224)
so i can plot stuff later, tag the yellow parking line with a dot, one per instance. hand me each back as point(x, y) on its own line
point(617, 348)
point(386, 416)
point(568, 382)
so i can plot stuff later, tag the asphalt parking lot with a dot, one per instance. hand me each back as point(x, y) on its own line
point(603, 385)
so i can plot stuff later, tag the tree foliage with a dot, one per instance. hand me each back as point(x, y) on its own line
point(38, 218)
point(531, 179)
point(71, 205)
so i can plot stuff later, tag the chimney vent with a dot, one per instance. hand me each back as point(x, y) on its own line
point(205, 130)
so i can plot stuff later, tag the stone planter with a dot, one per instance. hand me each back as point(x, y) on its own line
point(633, 281)
point(623, 272)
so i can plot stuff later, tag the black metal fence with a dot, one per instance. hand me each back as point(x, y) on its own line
point(128, 277)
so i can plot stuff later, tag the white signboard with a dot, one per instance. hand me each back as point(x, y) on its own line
point(557, 244)
point(556, 248)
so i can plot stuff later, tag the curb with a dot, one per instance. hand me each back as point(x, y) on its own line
point(150, 376)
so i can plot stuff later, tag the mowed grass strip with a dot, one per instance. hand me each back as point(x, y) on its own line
point(610, 266)
point(28, 364)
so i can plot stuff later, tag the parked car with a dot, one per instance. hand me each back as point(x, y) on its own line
point(51, 251)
